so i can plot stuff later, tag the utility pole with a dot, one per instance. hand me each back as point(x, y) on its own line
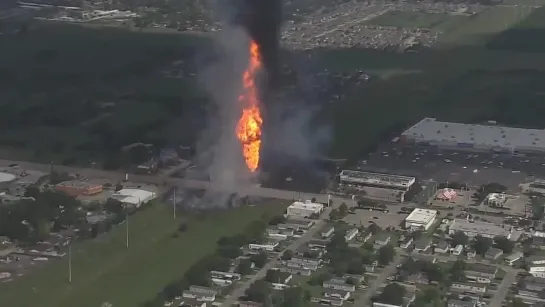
point(174, 203)
point(69, 264)
point(127, 226)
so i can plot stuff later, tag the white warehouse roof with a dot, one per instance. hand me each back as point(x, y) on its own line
point(134, 196)
point(421, 216)
point(6, 177)
point(431, 130)
point(479, 228)
point(307, 205)
point(376, 178)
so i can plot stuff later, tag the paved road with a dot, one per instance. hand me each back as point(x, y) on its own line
point(503, 288)
point(238, 292)
point(115, 176)
point(364, 299)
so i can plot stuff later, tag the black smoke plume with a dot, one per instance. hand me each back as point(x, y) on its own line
point(262, 20)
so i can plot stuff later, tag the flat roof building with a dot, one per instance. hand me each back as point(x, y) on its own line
point(473, 229)
point(134, 197)
point(379, 180)
point(304, 209)
point(79, 188)
point(420, 219)
point(430, 131)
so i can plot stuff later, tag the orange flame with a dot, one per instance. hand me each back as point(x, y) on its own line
point(249, 125)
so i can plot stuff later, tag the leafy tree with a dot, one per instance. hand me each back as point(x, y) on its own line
point(259, 292)
point(343, 209)
point(459, 238)
point(319, 279)
point(374, 228)
point(287, 255)
point(277, 220)
point(259, 259)
point(294, 297)
point(386, 254)
point(335, 214)
point(355, 267)
point(172, 290)
point(434, 273)
point(429, 297)
point(517, 302)
point(392, 294)
point(504, 244)
point(486, 189)
point(32, 191)
point(481, 245)
point(229, 251)
point(118, 187)
point(457, 271)
point(114, 206)
point(244, 267)
point(182, 227)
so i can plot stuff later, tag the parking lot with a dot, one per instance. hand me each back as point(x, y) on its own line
point(384, 220)
point(474, 169)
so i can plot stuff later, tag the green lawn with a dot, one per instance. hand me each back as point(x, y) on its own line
point(436, 22)
point(104, 271)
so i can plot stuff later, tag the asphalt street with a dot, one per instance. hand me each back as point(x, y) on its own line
point(239, 291)
point(365, 298)
point(503, 289)
point(178, 182)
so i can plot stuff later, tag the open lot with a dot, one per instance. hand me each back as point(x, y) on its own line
point(105, 271)
point(435, 22)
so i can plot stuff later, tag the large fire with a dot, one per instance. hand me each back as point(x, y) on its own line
point(249, 125)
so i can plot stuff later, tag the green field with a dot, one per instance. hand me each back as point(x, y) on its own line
point(105, 271)
point(435, 22)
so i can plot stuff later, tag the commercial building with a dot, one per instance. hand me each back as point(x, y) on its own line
point(420, 219)
point(472, 229)
point(479, 138)
point(304, 209)
point(496, 199)
point(79, 188)
point(378, 180)
point(134, 197)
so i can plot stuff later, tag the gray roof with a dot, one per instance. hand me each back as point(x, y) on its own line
point(478, 227)
point(460, 303)
point(432, 130)
point(493, 251)
point(481, 268)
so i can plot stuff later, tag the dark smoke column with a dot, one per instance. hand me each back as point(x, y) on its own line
point(262, 19)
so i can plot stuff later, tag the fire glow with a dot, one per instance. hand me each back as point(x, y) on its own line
point(248, 128)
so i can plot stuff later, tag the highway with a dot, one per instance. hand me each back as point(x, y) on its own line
point(164, 179)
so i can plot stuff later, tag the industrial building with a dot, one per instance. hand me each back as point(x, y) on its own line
point(134, 197)
point(480, 138)
point(304, 209)
point(378, 180)
point(472, 229)
point(79, 188)
point(420, 219)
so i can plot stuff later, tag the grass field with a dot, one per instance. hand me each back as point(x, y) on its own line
point(436, 22)
point(104, 271)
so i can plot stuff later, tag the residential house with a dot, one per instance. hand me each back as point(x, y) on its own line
point(469, 287)
point(249, 304)
point(351, 234)
point(191, 302)
point(327, 301)
point(442, 247)
point(513, 257)
point(457, 250)
point(295, 271)
point(337, 294)
point(382, 239)
point(328, 232)
point(424, 258)
point(480, 273)
point(338, 284)
point(356, 277)
point(493, 253)
point(295, 263)
point(536, 260)
point(202, 297)
point(203, 290)
point(370, 268)
point(301, 223)
point(460, 303)
point(538, 242)
point(422, 244)
point(364, 236)
point(318, 244)
point(406, 242)
point(419, 278)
